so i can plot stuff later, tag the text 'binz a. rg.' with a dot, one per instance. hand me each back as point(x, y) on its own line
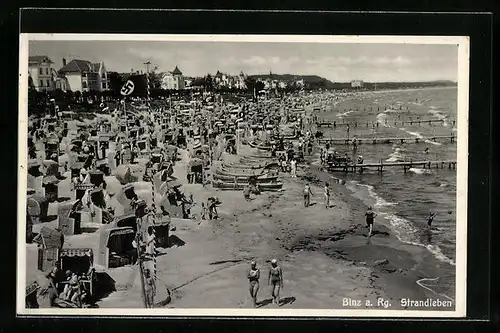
point(356, 303)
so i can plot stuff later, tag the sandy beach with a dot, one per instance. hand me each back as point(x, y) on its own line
point(325, 254)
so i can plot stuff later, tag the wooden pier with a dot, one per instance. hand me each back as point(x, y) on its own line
point(373, 124)
point(388, 140)
point(451, 165)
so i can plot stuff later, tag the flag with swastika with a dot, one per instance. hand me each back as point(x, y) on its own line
point(135, 86)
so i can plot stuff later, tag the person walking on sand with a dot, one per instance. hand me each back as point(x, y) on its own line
point(275, 279)
point(370, 216)
point(326, 193)
point(253, 278)
point(293, 166)
point(307, 195)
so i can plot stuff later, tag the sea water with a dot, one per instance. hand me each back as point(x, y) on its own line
point(404, 199)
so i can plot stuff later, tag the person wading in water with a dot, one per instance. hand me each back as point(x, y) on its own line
point(253, 278)
point(430, 219)
point(370, 216)
point(275, 280)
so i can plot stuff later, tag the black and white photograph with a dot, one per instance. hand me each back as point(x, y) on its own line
point(242, 175)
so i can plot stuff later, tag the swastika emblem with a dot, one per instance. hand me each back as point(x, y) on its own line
point(127, 88)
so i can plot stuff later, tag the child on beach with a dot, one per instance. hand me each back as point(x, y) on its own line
point(307, 195)
point(370, 216)
point(327, 195)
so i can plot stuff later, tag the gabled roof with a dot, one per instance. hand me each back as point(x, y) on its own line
point(39, 59)
point(77, 66)
point(95, 67)
point(218, 74)
point(176, 71)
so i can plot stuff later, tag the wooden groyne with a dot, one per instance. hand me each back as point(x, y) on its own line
point(451, 165)
point(388, 140)
point(373, 124)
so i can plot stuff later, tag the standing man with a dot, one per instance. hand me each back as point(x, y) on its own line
point(253, 278)
point(370, 216)
point(275, 279)
point(307, 195)
point(293, 166)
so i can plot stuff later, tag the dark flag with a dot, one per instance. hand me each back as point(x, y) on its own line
point(135, 86)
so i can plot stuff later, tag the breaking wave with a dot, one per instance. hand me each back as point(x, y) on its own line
point(404, 230)
point(420, 171)
point(396, 156)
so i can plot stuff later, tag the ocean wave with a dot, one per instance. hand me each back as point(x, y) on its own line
point(396, 156)
point(379, 201)
point(435, 112)
point(381, 119)
point(407, 233)
point(418, 135)
point(404, 230)
point(343, 114)
point(420, 171)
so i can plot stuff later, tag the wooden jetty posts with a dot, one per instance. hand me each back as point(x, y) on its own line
point(373, 124)
point(387, 140)
point(451, 165)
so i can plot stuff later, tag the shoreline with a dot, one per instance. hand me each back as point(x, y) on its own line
point(316, 248)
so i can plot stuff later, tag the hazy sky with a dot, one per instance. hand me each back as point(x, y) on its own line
point(334, 61)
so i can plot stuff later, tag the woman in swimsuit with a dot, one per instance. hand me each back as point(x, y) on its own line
point(276, 280)
point(253, 278)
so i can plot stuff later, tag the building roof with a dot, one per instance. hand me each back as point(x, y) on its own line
point(39, 59)
point(176, 71)
point(80, 66)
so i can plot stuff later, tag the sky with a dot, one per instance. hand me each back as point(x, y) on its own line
point(338, 62)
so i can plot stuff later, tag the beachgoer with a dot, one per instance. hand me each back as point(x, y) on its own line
point(253, 278)
point(212, 208)
point(53, 278)
point(74, 293)
point(430, 219)
point(327, 195)
point(360, 159)
point(246, 192)
point(283, 165)
point(307, 195)
point(293, 165)
point(149, 288)
point(150, 242)
point(275, 279)
point(370, 216)
point(426, 150)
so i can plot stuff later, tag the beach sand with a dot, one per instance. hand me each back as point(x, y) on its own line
point(325, 254)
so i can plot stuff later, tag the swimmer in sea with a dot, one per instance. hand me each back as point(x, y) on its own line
point(275, 279)
point(426, 150)
point(253, 278)
point(430, 219)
